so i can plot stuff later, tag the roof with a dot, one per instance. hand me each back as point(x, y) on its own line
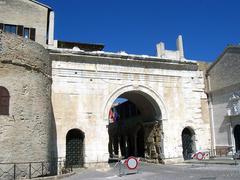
point(121, 55)
point(229, 48)
point(82, 46)
point(41, 4)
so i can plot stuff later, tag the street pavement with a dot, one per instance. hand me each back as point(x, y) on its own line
point(162, 172)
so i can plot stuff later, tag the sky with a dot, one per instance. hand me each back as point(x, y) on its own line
point(136, 26)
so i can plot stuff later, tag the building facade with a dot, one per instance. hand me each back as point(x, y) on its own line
point(167, 93)
point(29, 19)
point(224, 85)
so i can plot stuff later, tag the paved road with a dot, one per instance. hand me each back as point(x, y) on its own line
point(164, 172)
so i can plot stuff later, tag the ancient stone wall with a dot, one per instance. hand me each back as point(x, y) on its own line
point(90, 83)
point(25, 71)
point(153, 145)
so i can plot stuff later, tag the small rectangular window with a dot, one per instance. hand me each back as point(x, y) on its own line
point(10, 28)
point(26, 33)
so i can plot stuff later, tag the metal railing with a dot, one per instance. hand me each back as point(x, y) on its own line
point(12, 171)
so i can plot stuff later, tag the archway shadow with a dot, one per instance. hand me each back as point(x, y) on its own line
point(135, 129)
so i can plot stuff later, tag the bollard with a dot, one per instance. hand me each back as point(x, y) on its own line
point(14, 171)
point(30, 171)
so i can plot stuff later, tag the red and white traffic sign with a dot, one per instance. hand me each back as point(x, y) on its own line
point(132, 163)
point(199, 156)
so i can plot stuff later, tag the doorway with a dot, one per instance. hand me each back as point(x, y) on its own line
point(75, 148)
point(188, 143)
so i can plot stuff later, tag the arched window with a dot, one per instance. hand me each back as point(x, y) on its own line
point(4, 101)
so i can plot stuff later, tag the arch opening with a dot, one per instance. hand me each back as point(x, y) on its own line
point(135, 128)
point(188, 142)
point(237, 137)
point(4, 101)
point(75, 148)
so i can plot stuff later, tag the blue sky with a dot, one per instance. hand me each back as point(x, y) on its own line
point(136, 26)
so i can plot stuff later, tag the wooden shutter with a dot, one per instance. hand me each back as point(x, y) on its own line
point(32, 33)
point(20, 30)
point(1, 26)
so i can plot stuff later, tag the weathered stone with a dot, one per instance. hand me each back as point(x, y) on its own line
point(26, 73)
point(177, 94)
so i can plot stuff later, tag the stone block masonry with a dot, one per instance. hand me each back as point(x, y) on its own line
point(25, 71)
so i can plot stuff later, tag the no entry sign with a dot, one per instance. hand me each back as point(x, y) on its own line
point(132, 163)
point(128, 166)
point(200, 156)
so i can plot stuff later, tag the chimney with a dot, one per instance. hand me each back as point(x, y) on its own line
point(180, 46)
point(160, 49)
point(51, 29)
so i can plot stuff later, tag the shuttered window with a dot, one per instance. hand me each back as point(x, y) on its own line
point(1, 26)
point(4, 101)
point(29, 33)
point(20, 30)
point(32, 33)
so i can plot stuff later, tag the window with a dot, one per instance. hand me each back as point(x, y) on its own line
point(29, 33)
point(10, 28)
point(26, 32)
point(4, 101)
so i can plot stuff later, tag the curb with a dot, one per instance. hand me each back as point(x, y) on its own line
point(212, 162)
point(55, 177)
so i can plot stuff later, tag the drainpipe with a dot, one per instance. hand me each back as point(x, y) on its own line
point(213, 140)
point(231, 135)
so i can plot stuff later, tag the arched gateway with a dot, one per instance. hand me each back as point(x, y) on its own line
point(135, 123)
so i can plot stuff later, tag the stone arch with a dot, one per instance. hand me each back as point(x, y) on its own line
point(188, 142)
point(75, 148)
point(148, 92)
point(152, 111)
point(191, 129)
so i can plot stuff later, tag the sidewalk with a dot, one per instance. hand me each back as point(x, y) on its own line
point(218, 160)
